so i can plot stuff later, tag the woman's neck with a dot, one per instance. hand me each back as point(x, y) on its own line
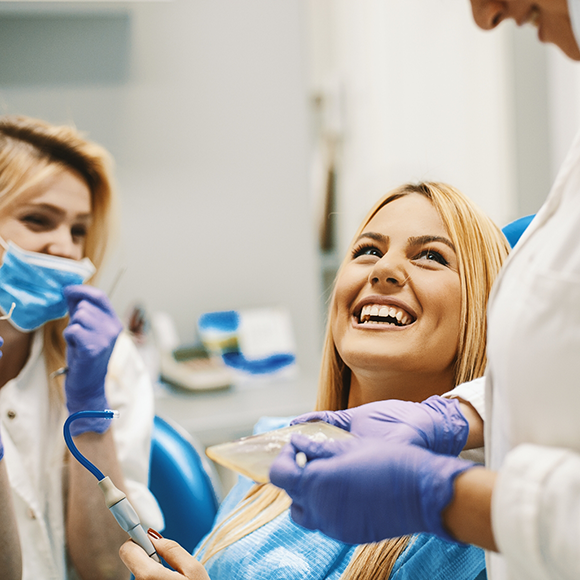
point(368, 387)
point(15, 351)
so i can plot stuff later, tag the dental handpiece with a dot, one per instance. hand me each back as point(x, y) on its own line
point(115, 499)
point(126, 516)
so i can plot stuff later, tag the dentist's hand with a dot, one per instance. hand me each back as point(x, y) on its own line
point(436, 424)
point(90, 336)
point(144, 568)
point(366, 490)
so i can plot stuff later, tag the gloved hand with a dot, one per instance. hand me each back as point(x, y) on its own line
point(364, 490)
point(90, 337)
point(436, 424)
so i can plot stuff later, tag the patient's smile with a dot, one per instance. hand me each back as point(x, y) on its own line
point(397, 300)
point(384, 314)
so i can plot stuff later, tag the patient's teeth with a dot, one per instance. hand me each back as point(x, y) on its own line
point(374, 311)
point(392, 312)
point(399, 315)
point(384, 312)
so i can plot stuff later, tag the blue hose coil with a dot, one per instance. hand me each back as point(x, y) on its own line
point(108, 414)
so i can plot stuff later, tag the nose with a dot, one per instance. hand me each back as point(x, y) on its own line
point(488, 13)
point(390, 271)
point(62, 244)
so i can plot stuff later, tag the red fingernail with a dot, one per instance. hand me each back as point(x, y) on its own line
point(154, 534)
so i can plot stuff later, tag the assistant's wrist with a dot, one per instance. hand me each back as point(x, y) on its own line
point(96, 402)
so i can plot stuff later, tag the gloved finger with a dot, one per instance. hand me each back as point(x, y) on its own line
point(85, 314)
point(79, 292)
point(284, 472)
point(92, 316)
point(179, 559)
point(317, 449)
point(340, 419)
point(77, 334)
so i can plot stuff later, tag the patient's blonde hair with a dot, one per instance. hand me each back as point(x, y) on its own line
point(32, 150)
point(481, 249)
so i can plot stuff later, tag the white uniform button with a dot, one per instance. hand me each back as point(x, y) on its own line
point(11, 414)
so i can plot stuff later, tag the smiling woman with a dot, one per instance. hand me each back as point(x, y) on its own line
point(56, 202)
point(399, 269)
point(406, 321)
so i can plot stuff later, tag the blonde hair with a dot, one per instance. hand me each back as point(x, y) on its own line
point(32, 150)
point(481, 249)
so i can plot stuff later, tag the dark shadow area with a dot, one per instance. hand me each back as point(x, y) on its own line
point(52, 49)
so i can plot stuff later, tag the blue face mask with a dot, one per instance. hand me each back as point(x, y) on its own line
point(34, 283)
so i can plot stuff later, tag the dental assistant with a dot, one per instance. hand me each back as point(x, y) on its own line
point(525, 506)
point(56, 202)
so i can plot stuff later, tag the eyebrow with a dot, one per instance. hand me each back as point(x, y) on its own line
point(56, 210)
point(373, 236)
point(420, 240)
point(412, 241)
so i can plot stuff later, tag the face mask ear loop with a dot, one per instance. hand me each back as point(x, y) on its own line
point(3, 243)
point(9, 315)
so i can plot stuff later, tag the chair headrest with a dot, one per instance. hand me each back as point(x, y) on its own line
point(515, 229)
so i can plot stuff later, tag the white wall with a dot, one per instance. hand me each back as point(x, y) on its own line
point(425, 95)
point(203, 104)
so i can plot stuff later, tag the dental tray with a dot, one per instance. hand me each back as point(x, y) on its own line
point(252, 456)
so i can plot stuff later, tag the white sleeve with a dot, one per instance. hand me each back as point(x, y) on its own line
point(536, 512)
point(129, 391)
point(473, 392)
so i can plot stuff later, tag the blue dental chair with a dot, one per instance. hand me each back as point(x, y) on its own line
point(182, 481)
point(515, 229)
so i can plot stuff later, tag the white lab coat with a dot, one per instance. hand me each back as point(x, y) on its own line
point(532, 384)
point(35, 453)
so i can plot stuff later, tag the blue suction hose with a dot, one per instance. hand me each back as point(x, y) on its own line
point(115, 499)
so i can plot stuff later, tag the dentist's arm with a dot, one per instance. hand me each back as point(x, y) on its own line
point(93, 536)
point(10, 555)
point(385, 490)
point(439, 424)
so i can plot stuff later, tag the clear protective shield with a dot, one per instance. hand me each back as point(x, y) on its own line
point(252, 456)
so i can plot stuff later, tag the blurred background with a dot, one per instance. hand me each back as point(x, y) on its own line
point(251, 136)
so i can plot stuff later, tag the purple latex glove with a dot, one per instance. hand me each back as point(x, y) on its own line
point(364, 490)
point(436, 424)
point(90, 337)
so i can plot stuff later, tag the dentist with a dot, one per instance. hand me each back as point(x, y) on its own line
point(524, 507)
point(56, 201)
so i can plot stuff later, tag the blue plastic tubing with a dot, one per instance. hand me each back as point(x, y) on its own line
point(73, 448)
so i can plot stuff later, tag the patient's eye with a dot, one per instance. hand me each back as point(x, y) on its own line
point(431, 255)
point(366, 250)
